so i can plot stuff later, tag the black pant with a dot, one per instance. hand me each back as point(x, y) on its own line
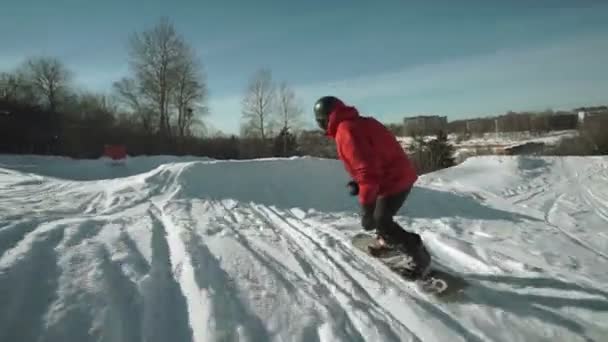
point(386, 208)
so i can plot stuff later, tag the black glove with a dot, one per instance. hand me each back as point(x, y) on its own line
point(353, 188)
point(367, 217)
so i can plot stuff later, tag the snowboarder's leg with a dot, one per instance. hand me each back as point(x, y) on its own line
point(386, 208)
point(392, 235)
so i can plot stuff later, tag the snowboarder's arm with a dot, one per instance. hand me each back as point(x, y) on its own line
point(358, 154)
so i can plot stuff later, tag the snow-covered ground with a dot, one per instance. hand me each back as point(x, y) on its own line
point(176, 249)
point(495, 143)
point(505, 139)
point(517, 138)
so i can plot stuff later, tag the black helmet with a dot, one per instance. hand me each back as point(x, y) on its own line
point(323, 107)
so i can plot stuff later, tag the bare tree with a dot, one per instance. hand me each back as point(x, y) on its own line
point(128, 93)
point(258, 105)
point(156, 56)
point(9, 86)
point(290, 113)
point(92, 104)
point(48, 77)
point(190, 93)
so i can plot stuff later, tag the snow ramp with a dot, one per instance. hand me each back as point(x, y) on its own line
point(191, 249)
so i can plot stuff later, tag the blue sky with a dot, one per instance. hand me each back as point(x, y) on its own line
point(389, 58)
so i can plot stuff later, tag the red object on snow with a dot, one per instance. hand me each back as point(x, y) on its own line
point(371, 154)
point(116, 152)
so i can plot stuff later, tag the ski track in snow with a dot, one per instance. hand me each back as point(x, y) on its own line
point(189, 249)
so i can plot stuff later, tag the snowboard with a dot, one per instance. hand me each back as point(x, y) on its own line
point(441, 284)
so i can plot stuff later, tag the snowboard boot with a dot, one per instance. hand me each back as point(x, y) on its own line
point(379, 247)
point(404, 252)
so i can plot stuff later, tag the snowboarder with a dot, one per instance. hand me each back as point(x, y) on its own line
point(382, 174)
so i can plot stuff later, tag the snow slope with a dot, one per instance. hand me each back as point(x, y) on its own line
point(188, 249)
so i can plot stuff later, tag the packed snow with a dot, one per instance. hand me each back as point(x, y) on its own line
point(191, 249)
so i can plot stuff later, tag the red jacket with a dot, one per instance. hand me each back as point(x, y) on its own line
point(370, 153)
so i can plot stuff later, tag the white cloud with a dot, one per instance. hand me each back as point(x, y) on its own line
point(560, 66)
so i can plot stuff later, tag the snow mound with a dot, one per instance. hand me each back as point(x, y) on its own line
point(87, 169)
point(192, 249)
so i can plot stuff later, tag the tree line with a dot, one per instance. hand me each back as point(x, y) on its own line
point(161, 106)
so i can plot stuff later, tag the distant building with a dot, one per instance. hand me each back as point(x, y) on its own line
point(594, 121)
point(589, 115)
point(424, 124)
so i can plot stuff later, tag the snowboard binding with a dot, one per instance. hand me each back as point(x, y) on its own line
point(413, 265)
point(443, 285)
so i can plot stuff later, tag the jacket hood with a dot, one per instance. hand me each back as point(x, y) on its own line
point(339, 114)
